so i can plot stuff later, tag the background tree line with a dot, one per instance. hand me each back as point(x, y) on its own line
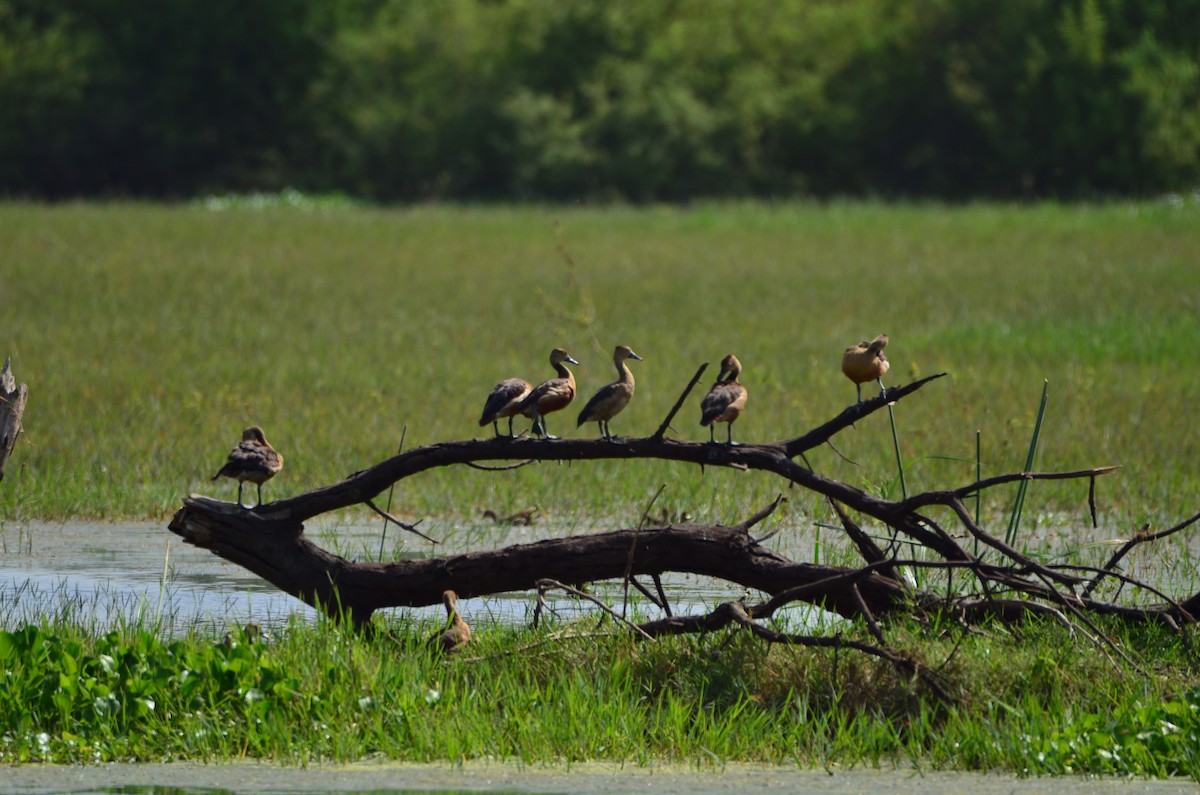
point(423, 99)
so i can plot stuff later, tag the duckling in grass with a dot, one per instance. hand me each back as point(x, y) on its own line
point(457, 632)
point(611, 399)
point(254, 459)
point(725, 401)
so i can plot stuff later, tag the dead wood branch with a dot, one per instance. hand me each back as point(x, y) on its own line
point(1143, 536)
point(662, 429)
point(412, 528)
point(736, 613)
point(543, 585)
point(277, 551)
point(269, 539)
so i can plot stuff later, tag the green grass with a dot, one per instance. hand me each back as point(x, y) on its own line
point(151, 335)
point(1042, 702)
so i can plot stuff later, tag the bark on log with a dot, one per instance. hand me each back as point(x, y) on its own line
point(278, 552)
point(13, 397)
point(269, 541)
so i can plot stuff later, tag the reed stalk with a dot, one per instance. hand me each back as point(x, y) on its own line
point(1014, 519)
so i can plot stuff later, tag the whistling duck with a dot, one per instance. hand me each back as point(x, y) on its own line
point(865, 362)
point(457, 632)
point(254, 459)
point(611, 399)
point(725, 401)
point(502, 402)
point(552, 395)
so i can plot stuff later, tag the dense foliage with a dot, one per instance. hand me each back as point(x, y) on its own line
point(1043, 705)
point(395, 99)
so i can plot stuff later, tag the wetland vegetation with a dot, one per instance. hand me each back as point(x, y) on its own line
point(150, 335)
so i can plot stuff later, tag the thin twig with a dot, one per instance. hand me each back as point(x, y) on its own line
point(840, 454)
point(646, 512)
point(1099, 637)
point(758, 516)
point(866, 546)
point(1140, 537)
point(957, 506)
point(1125, 579)
point(866, 613)
point(645, 592)
point(548, 583)
point(633, 548)
point(662, 595)
point(662, 429)
point(737, 613)
point(391, 488)
point(409, 527)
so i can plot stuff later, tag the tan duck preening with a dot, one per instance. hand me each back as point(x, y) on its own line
point(503, 401)
point(725, 401)
point(457, 632)
point(549, 396)
point(612, 398)
point(865, 362)
point(254, 459)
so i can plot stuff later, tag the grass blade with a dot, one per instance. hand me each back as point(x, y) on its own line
point(896, 446)
point(1014, 519)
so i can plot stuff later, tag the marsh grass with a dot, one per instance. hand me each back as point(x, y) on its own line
point(1037, 702)
point(151, 335)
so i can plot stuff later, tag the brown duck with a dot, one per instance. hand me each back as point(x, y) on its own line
point(503, 401)
point(865, 362)
point(548, 396)
point(254, 459)
point(612, 398)
point(457, 632)
point(725, 401)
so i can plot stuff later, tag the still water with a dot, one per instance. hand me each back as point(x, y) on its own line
point(108, 573)
point(104, 573)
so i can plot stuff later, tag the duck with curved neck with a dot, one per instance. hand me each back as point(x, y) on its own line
point(865, 362)
point(612, 398)
point(549, 396)
point(725, 401)
point(457, 632)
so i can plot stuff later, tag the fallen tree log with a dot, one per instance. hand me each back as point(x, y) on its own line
point(279, 553)
point(269, 540)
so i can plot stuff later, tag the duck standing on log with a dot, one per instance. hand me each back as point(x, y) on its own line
point(612, 398)
point(725, 401)
point(549, 396)
point(254, 459)
point(865, 362)
point(502, 402)
point(457, 632)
